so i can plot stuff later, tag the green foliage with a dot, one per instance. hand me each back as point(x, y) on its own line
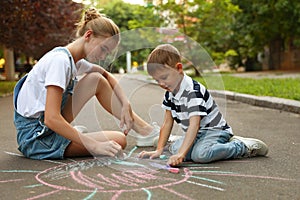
point(261, 22)
point(144, 17)
point(232, 58)
point(129, 16)
point(119, 12)
point(218, 57)
point(231, 52)
point(6, 87)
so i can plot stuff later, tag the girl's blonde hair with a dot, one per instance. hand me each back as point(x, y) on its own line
point(164, 55)
point(98, 23)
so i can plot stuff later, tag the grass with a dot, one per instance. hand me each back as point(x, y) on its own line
point(6, 87)
point(288, 88)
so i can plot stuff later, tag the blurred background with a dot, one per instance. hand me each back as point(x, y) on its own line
point(240, 36)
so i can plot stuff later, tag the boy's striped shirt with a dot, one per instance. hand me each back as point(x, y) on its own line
point(194, 99)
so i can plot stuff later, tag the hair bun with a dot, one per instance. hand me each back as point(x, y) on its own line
point(93, 20)
point(91, 14)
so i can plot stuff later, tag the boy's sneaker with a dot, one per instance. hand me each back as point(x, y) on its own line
point(147, 141)
point(255, 147)
point(81, 129)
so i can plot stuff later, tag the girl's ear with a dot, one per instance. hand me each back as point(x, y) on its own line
point(88, 34)
point(179, 67)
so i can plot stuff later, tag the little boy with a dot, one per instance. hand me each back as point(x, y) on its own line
point(207, 136)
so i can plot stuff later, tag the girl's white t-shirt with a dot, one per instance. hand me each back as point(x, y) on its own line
point(54, 68)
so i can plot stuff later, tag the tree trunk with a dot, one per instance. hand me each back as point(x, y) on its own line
point(275, 51)
point(9, 64)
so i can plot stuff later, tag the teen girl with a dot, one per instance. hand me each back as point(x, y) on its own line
point(47, 99)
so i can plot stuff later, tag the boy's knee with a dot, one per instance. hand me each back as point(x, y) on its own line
point(203, 156)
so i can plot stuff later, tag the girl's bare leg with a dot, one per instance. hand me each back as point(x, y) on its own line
point(77, 150)
point(94, 84)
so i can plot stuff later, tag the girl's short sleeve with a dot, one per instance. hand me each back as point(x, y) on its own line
point(57, 71)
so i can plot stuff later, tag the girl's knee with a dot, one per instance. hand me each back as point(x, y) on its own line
point(123, 143)
point(94, 75)
point(121, 140)
point(95, 78)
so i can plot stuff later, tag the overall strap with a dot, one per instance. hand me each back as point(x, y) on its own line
point(72, 82)
point(69, 55)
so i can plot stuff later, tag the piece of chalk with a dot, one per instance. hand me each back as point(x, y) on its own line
point(163, 157)
point(174, 170)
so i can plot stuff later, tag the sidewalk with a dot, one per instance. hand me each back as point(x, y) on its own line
point(262, 101)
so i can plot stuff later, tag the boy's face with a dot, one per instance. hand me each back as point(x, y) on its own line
point(169, 78)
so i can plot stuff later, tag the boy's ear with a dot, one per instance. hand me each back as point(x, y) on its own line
point(179, 67)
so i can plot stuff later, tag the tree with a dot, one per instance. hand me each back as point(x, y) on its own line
point(272, 24)
point(33, 27)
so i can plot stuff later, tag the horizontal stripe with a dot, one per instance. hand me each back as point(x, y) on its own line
point(216, 121)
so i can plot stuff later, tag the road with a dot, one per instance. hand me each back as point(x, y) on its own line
point(273, 177)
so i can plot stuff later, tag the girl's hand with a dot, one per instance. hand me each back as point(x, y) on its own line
point(176, 159)
point(126, 119)
point(150, 154)
point(108, 148)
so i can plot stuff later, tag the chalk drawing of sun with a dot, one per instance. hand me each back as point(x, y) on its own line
point(111, 178)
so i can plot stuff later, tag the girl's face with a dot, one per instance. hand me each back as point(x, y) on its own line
point(169, 78)
point(98, 48)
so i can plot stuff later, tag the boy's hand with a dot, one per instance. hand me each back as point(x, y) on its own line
point(175, 160)
point(150, 154)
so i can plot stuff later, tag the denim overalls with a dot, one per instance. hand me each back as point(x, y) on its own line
point(35, 140)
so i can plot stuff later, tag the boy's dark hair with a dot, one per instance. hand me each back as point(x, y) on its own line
point(164, 55)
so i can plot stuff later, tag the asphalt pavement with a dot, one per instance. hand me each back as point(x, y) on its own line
point(273, 177)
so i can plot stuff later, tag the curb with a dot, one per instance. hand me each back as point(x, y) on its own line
point(281, 104)
point(262, 101)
